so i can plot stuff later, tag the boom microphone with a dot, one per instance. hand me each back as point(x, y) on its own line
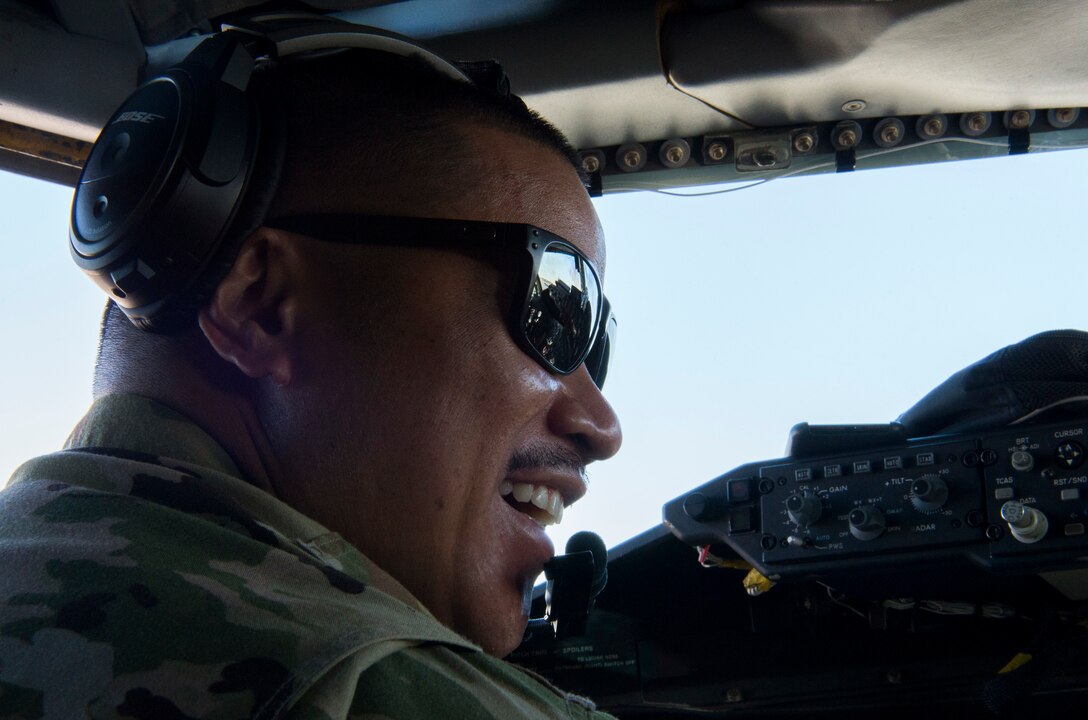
point(574, 581)
point(586, 541)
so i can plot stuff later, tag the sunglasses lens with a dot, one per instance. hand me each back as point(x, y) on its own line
point(564, 308)
point(600, 355)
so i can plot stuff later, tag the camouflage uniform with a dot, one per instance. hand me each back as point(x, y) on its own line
point(142, 578)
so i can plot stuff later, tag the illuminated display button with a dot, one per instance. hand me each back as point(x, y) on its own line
point(926, 458)
point(802, 474)
point(740, 520)
point(738, 490)
point(1003, 493)
point(1074, 529)
point(863, 466)
point(893, 463)
point(1071, 494)
point(831, 471)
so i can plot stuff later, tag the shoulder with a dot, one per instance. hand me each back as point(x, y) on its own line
point(127, 589)
point(421, 682)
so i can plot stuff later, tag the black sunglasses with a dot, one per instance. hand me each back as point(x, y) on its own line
point(560, 316)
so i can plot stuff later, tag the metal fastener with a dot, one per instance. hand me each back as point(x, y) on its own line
point(1065, 115)
point(716, 152)
point(852, 106)
point(847, 138)
point(1020, 120)
point(934, 127)
point(977, 122)
point(804, 142)
point(675, 154)
point(889, 132)
point(764, 158)
point(591, 163)
point(632, 158)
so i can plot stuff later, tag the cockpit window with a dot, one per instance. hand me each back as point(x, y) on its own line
point(829, 299)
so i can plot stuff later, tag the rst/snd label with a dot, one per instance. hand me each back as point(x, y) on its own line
point(1079, 480)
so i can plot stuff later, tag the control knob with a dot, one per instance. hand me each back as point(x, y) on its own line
point(1027, 524)
point(701, 508)
point(928, 493)
point(867, 522)
point(1022, 461)
point(804, 509)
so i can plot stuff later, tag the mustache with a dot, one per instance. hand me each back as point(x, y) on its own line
point(543, 457)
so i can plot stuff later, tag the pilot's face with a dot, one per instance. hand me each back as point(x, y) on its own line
point(419, 406)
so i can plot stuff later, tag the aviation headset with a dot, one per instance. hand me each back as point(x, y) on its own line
point(188, 165)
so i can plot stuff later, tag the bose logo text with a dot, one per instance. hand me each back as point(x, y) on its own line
point(139, 116)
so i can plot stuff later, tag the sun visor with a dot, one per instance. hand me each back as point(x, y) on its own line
point(780, 63)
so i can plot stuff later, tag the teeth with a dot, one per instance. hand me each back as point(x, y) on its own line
point(555, 506)
point(549, 502)
point(540, 497)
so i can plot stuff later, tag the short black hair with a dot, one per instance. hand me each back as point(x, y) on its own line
point(396, 107)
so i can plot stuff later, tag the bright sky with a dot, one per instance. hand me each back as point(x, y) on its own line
point(828, 299)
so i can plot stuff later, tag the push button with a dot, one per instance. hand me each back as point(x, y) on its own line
point(893, 463)
point(926, 458)
point(1071, 494)
point(740, 520)
point(1003, 493)
point(1070, 454)
point(831, 471)
point(802, 474)
point(737, 490)
point(862, 466)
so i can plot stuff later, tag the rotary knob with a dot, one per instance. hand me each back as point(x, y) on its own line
point(867, 522)
point(804, 509)
point(928, 494)
point(701, 508)
point(1027, 524)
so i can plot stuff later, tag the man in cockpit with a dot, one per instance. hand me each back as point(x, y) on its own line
point(325, 495)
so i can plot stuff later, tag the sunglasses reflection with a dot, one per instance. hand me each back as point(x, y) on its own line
point(560, 322)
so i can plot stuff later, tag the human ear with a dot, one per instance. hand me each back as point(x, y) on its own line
point(250, 321)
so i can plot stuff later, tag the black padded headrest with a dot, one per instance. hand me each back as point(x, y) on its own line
point(1042, 378)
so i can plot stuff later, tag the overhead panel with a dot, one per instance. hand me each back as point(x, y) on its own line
point(591, 68)
point(58, 81)
point(783, 62)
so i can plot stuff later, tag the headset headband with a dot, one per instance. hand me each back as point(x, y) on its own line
point(187, 166)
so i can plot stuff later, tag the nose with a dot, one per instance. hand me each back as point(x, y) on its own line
point(581, 413)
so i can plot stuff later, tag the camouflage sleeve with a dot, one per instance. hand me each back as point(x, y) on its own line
point(429, 681)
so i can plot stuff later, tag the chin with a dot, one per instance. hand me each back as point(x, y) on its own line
point(498, 631)
point(495, 615)
point(502, 637)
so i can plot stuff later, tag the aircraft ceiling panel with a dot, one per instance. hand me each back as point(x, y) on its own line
point(778, 63)
point(58, 81)
point(614, 71)
point(592, 71)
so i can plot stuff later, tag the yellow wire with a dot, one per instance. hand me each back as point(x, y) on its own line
point(756, 583)
point(1019, 660)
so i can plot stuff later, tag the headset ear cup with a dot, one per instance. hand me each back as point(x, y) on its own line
point(262, 186)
